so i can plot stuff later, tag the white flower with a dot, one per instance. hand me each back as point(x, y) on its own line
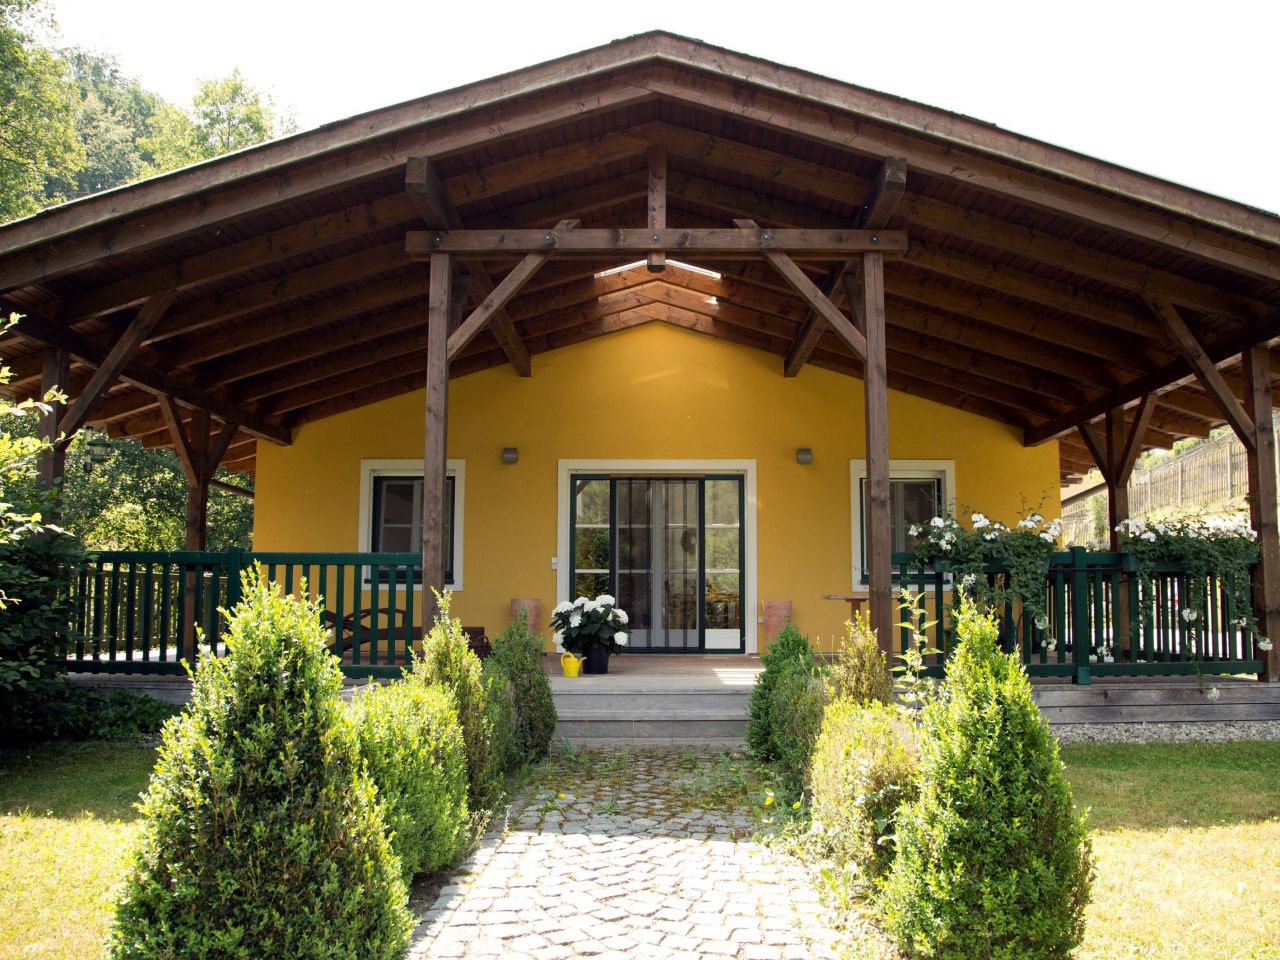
point(968, 580)
point(1042, 622)
point(1264, 644)
point(1161, 528)
point(605, 600)
point(1052, 645)
point(580, 602)
point(979, 521)
point(989, 536)
point(575, 619)
point(590, 607)
point(620, 615)
point(564, 606)
point(914, 529)
point(1212, 694)
point(1036, 518)
point(1026, 523)
point(1055, 528)
point(1189, 615)
point(1047, 536)
point(1148, 536)
point(937, 522)
point(620, 638)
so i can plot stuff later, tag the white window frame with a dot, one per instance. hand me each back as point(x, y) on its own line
point(413, 468)
point(944, 470)
point(566, 469)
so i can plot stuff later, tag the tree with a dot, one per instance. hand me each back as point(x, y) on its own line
point(227, 113)
point(38, 141)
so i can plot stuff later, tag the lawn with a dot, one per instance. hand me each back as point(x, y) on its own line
point(1187, 838)
point(66, 817)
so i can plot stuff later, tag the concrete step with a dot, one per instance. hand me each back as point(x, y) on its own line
point(675, 704)
point(613, 744)
point(648, 729)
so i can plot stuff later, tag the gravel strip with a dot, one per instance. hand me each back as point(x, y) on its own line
point(1167, 732)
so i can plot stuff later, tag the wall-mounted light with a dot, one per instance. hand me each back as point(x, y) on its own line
point(510, 455)
point(804, 455)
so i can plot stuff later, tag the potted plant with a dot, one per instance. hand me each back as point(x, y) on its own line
point(591, 629)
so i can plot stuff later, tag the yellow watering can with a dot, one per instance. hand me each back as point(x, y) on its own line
point(570, 664)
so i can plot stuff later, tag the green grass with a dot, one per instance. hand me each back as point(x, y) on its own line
point(66, 821)
point(1187, 839)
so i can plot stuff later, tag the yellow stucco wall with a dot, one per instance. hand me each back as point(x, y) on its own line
point(652, 392)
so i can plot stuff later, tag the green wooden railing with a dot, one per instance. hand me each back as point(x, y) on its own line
point(134, 612)
point(1104, 619)
point(147, 612)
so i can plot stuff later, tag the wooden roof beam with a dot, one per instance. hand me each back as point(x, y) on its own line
point(886, 191)
point(716, 243)
point(150, 379)
point(1153, 382)
point(435, 209)
point(1206, 371)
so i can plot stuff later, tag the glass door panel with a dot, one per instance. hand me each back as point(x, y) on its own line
point(592, 537)
point(722, 564)
point(635, 558)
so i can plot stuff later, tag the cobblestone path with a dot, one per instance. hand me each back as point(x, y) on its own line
point(643, 856)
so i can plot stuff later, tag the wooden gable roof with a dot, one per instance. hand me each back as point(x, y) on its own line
point(1035, 291)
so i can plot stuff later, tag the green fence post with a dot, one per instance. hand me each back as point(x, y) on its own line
point(235, 563)
point(1081, 621)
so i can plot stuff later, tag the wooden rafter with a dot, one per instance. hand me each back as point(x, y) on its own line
point(148, 378)
point(886, 191)
point(657, 202)
point(1205, 370)
point(434, 208)
point(114, 362)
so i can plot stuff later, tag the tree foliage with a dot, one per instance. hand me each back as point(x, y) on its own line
point(38, 141)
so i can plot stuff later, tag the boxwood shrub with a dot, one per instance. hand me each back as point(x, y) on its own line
point(789, 644)
point(261, 834)
point(447, 661)
point(993, 860)
point(861, 672)
point(864, 768)
point(411, 741)
point(799, 696)
point(517, 652)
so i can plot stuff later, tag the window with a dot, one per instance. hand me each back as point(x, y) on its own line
point(391, 511)
point(918, 490)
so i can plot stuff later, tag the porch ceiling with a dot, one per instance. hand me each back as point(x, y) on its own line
point(1031, 293)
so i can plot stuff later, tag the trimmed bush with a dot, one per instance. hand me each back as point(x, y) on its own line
point(518, 653)
point(500, 713)
point(799, 696)
point(993, 860)
point(860, 672)
point(261, 832)
point(864, 768)
point(787, 645)
point(411, 741)
point(447, 661)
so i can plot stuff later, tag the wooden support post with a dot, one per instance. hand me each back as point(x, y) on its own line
point(1117, 486)
point(54, 374)
point(1256, 368)
point(657, 201)
point(435, 445)
point(869, 297)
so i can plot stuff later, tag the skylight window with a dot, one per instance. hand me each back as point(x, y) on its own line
point(678, 264)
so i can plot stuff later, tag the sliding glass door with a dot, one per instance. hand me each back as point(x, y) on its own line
point(670, 550)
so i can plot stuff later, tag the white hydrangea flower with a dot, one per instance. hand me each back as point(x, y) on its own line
point(581, 601)
point(604, 599)
point(1264, 644)
point(575, 619)
point(590, 607)
point(620, 615)
point(620, 638)
point(979, 521)
point(564, 606)
point(1212, 694)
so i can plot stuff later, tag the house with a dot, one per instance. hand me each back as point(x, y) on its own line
point(656, 318)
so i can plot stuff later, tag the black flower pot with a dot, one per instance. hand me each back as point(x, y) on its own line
point(597, 660)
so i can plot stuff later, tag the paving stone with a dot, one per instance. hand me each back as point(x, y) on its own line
point(652, 878)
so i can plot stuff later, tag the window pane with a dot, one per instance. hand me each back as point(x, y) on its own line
point(592, 501)
point(592, 549)
point(723, 601)
point(397, 540)
point(723, 545)
point(397, 501)
point(590, 584)
point(913, 500)
point(722, 502)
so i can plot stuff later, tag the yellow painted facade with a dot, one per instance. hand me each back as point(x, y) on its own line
point(651, 392)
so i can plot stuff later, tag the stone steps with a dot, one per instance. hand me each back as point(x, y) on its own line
point(617, 715)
